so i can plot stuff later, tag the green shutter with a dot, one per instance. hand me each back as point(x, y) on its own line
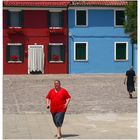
point(21, 17)
point(62, 53)
point(8, 53)
point(21, 49)
point(62, 19)
point(8, 18)
point(49, 53)
point(80, 51)
point(49, 19)
point(81, 17)
point(120, 17)
point(121, 51)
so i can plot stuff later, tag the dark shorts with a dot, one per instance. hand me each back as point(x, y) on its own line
point(58, 118)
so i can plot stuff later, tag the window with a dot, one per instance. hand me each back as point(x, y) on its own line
point(80, 52)
point(119, 18)
point(15, 52)
point(121, 51)
point(56, 19)
point(15, 18)
point(56, 53)
point(81, 18)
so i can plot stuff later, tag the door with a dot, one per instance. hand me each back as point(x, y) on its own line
point(35, 59)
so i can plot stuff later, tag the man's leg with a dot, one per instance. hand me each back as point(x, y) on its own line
point(130, 94)
point(59, 132)
point(59, 121)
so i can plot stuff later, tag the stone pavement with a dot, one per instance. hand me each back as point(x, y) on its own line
point(76, 126)
point(99, 109)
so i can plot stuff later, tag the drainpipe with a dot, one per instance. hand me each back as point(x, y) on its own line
point(132, 54)
point(68, 38)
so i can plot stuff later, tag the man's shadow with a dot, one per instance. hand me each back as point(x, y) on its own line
point(69, 135)
point(134, 97)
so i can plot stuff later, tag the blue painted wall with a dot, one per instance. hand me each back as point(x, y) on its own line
point(135, 57)
point(101, 36)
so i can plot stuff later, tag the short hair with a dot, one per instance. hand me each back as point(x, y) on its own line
point(57, 81)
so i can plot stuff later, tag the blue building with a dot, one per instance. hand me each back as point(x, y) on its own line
point(97, 41)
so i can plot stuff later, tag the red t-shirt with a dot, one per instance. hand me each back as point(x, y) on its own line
point(58, 100)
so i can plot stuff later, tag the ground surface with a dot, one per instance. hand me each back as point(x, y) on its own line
point(100, 107)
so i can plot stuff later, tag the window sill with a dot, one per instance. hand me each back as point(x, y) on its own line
point(55, 27)
point(56, 61)
point(14, 61)
point(11, 27)
point(120, 60)
point(81, 26)
point(81, 60)
point(118, 26)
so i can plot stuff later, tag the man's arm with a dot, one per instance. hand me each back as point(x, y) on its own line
point(125, 79)
point(67, 102)
point(135, 78)
point(48, 102)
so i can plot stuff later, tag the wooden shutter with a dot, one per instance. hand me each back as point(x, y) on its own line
point(62, 18)
point(81, 51)
point(21, 49)
point(21, 17)
point(63, 53)
point(121, 51)
point(8, 18)
point(8, 53)
point(49, 53)
point(49, 19)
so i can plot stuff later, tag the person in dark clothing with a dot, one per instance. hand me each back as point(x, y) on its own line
point(130, 78)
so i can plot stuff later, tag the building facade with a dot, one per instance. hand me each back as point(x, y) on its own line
point(97, 41)
point(35, 37)
point(55, 37)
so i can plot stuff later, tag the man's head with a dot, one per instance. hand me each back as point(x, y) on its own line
point(57, 84)
point(131, 68)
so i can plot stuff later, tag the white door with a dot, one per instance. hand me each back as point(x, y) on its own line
point(35, 58)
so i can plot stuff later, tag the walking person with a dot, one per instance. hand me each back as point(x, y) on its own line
point(57, 100)
point(130, 78)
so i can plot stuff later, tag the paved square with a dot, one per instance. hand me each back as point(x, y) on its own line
point(100, 107)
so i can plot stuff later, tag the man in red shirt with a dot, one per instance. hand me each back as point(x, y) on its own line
point(57, 100)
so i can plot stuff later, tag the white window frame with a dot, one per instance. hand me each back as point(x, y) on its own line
point(86, 52)
point(56, 44)
point(115, 52)
point(14, 44)
point(86, 17)
point(115, 17)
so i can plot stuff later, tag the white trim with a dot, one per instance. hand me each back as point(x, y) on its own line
point(33, 8)
point(115, 52)
point(14, 61)
point(86, 18)
point(86, 51)
point(13, 27)
point(56, 61)
point(14, 10)
point(115, 17)
point(42, 46)
point(55, 27)
point(92, 8)
point(55, 10)
point(53, 44)
point(16, 44)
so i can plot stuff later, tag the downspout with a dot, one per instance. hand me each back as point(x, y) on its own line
point(132, 54)
point(68, 39)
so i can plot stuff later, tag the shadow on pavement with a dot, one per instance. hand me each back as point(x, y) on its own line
point(134, 98)
point(69, 135)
